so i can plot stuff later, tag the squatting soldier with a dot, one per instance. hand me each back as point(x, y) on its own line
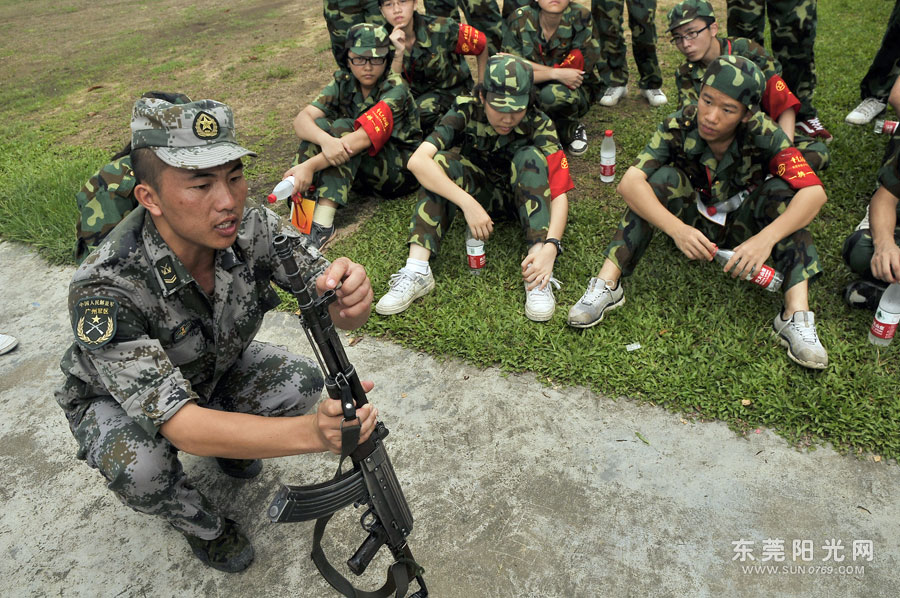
point(872, 250)
point(557, 38)
point(108, 196)
point(341, 15)
point(483, 15)
point(491, 152)
point(693, 26)
point(875, 86)
point(434, 63)
point(359, 132)
point(164, 313)
point(700, 156)
point(792, 26)
point(608, 15)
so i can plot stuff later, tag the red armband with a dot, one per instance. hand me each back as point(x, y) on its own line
point(790, 165)
point(574, 60)
point(470, 41)
point(778, 97)
point(558, 174)
point(377, 122)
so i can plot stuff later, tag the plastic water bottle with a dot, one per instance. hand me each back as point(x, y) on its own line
point(282, 190)
point(768, 277)
point(608, 157)
point(886, 126)
point(474, 253)
point(729, 205)
point(884, 325)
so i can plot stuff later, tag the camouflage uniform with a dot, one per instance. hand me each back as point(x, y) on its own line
point(885, 66)
point(436, 73)
point(148, 340)
point(576, 32)
point(689, 78)
point(341, 15)
point(343, 103)
point(858, 247)
point(793, 31)
point(483, 15)
point(608, 15)
point(104, 200)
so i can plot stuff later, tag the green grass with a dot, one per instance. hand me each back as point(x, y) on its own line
point(705, 342)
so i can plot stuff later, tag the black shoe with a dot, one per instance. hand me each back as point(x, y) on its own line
point(320, 236)
point(230, 552)
point(864, 294)
point(240, 468)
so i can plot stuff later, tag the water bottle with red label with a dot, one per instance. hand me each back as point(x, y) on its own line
point(887, 316)
point(768, 277)
point(474, 253)
point(607, 158)
point(886, 126)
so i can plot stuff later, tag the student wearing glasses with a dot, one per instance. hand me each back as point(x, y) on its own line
point(366, 110)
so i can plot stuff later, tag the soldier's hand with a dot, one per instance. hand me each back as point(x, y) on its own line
point(479, 221)
point(335, 151)
point(571, 78)
point(354, 297)
point(303, 176)
point(330, 415)
point(886, 262)
point(749, 256)
point(398, 38)
point(537, 267)
point(694, 244)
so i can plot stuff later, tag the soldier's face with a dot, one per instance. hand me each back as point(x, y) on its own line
point(695, 49)
point(502, 122)
point(398, 13)
point(718, 115)
point(199, 209)
point(367, 73)
point(553, 6)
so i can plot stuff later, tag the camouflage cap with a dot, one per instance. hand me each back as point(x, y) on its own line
point(193, 135)
point(365, 39)
point(738, 78)
point(170, 96)
point(685, 12)
point(507, 83)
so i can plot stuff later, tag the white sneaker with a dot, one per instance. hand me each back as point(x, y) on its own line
point(655, 97)
point(612, 95)
point(868, 109)
point(7, 343)
point(579, 145)
point(406, 287)
point(540, 303)
point(864, 223)
point(799, 336)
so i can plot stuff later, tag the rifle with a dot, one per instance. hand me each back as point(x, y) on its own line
point(371, 482)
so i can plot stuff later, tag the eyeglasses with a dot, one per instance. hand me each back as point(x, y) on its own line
point(361, 60)
point(689, 36)
point(390, 4)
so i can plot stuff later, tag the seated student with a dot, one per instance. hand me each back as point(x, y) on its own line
point(872, 250)
point(108, 196)
point(693, 26)
point(341, 15)
point(483, 15)
point(359, 133)
point(557, 38)
point(492, 152)
point(433, 57)
point(702, 155)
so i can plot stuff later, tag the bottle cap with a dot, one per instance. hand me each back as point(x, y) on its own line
point(711, 210)
point(272, 198)
point(608, 133)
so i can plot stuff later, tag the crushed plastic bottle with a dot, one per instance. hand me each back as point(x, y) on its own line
point(768, 277)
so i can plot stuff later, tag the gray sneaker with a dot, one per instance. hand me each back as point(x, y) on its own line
point(320, 236)
point(596, 301)
point(406, 287)
point(799, 336)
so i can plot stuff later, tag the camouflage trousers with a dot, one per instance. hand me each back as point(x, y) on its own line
point(815, 151)
point(795, 256)
point(483, 15)
point(886, 65)
point(793, 30)
point(859, 249)
point(341, 15)
point(608, 16)
point(383, 174)
point(522, 189)
point(434, 104)
point(144, 471)
point(565, 107)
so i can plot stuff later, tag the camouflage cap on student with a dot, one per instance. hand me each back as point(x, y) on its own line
point(365, 39)
point(685, 12)
point(507, 83)
point(193, 135)
point(738, 78)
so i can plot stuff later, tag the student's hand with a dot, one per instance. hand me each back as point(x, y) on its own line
point(694, 244)
point(571, 78)
point(537, 267)
point(398, 38)
point(886, 262)
point(303, 176)
point(335, 151)
point(749, 256)
point(479, 221)
point(354, 298)
point(330, 415)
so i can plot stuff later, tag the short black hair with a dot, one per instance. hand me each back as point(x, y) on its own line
point(147, 167)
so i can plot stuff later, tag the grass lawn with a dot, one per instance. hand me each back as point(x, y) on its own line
point(706, 350)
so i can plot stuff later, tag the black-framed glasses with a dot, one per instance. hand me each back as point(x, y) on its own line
point(389, 4)
point(361, 60)
point(689, 36)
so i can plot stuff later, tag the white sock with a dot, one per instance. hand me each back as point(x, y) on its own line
point(324, 215)
point(418, 266)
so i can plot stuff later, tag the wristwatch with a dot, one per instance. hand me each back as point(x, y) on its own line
point(557, 244)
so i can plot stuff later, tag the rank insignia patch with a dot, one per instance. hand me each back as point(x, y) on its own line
point(95, 321)
point(166, 270)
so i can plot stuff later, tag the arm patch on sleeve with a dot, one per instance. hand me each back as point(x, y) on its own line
point(573, 60)
point(378, 123)
point(778, 97)
point(790, 165)
point(558, 174)
point(94, 321)
point(470, 41)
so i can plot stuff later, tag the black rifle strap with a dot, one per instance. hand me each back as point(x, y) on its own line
point(349, 442)
point(398, 574)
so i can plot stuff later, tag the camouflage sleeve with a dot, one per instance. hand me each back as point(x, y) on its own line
point(687, 95)
point(396, 95)
point(328, 100)
point(889, 173)
point(545, 137)
point(784, 160)
point(103, 201)
point(660, 149)
point(512, 36)
point(451, 125)
point(755, 53)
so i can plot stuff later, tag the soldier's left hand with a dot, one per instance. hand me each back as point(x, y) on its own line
point(398, 38)
point(571, 78)
point(749, 256)
point(354, 297)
